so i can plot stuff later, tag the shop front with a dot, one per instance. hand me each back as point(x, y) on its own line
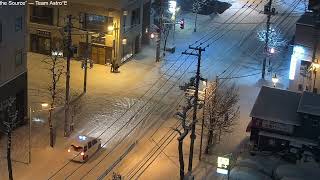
point(40, 42)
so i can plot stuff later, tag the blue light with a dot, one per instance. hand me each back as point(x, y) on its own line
point(83, 138)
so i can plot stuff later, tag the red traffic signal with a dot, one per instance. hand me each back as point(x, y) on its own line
point(182, 24)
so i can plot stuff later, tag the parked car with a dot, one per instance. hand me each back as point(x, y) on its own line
point(83, 147)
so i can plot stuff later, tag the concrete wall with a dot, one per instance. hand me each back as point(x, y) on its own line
point(13, 77)
point(12, 42)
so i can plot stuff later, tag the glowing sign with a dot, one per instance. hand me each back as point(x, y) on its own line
point(298, 53)
point(222, 171)
point(223, 162)
point(82, 138)
point(223, 165)
point(172, 6)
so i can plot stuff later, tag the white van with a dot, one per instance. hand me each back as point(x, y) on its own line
point(83, 147)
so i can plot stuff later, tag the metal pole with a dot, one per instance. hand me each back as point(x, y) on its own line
point(30, 119)
point(158, 49)
point(86, 63)
point(202, 125)
point(266, 47)
point(195, 23)
point(69, 42)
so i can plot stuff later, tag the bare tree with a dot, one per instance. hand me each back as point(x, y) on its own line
point(8, 124)
point(183, 115)
point(56, 68)
point(275, 37)
point(221, 111)
point(185, 130)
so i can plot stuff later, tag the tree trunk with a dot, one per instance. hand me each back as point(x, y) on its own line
point(51, 128)
point(210, 141)
point(9, 155)
point(165, 42)
point(181, 160)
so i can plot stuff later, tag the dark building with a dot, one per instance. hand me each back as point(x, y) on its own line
point(284, 119)
point(13, 64)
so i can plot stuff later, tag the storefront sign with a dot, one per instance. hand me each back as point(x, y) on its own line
point(223, 165)
point(43, 33)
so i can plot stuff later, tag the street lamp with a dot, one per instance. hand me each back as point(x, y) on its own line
point(272, 50)
point(152, 35)
point(275, 80)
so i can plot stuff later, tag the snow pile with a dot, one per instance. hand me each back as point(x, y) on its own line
point(246, 173)
point(310, 171)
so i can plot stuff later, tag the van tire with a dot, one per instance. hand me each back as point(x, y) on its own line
point(85, 159)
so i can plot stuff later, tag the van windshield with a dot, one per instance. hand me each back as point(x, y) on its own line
point(77, 148)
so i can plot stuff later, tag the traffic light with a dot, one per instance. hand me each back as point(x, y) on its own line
point(182, 24)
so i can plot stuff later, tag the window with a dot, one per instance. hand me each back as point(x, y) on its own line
point(315, 123)
point(18, 58)
point(94, 142)
point(76, 148)
point(96, 22)
point(89, 145)
point(18, 24)
point(41, 15)
point(85, 149)
point(135, 17)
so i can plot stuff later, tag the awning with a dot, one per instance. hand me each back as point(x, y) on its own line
point(294, 140)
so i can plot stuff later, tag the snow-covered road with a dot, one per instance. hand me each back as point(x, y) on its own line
point(138, 103)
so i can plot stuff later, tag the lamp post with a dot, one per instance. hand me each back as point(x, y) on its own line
point(275, 80)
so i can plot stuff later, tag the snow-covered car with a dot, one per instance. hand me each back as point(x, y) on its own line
point(83, 147)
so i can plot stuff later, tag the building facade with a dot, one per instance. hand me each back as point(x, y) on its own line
point(13, 64)
point(302, 77)
point(284, 120)
point(116, 28)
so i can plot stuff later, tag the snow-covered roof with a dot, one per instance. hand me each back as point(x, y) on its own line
point(309, 104)
point(306, 19)
point(277, 105)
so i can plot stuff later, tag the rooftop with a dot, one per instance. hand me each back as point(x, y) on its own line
point(309, 104)
point(306, 19)
point(277, 105)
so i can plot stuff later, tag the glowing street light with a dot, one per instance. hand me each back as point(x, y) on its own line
point(110, 28)
point(275, 80)
point(272, 50)
point(44, 105)
point(152, 35)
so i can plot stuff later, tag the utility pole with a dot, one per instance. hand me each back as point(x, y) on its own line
point(69, 43)
point(269, 11)
point(195, 105)
point(158, 49)
point(86, 63)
